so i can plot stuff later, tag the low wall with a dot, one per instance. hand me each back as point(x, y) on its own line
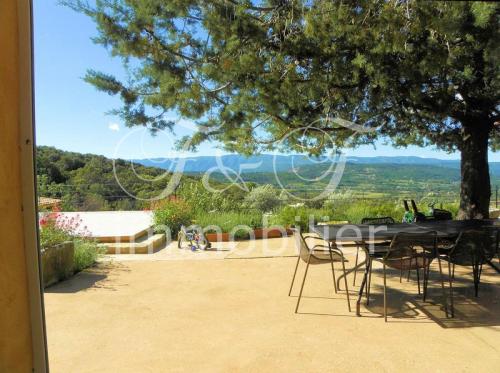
point(57, 263)
point(261, 233)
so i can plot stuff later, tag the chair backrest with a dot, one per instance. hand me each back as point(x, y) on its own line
point(304, 251)
point(493, 242)
point(474, 245)
point(405, 246)
point(378, 221)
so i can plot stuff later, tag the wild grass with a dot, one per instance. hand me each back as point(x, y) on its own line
point(86, 254)
point(227, 221)
point(352, 211)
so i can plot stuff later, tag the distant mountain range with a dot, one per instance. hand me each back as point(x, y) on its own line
point(283, 163)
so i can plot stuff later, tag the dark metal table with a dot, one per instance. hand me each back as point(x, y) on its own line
point(360, 234)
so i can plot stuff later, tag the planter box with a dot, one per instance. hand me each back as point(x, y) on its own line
point(57, 262)
point(271, 233)
point(217, 237)
point(258, 234)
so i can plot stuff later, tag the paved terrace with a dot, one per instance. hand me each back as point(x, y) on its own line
point(228, 310)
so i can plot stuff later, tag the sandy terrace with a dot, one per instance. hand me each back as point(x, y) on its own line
point(180, 314)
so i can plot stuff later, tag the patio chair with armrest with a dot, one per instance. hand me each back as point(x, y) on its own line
point(473, 248)
point(408, 251)
point(320, 253)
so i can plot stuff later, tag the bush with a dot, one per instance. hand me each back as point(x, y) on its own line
point(228, 220)
point(357, 211)
point(172, 214)
point(263, 198)
point(202, 200)
point(52, 235)
point(56, 229)
point(86, 253)
point(299, 216)
point(451, 207)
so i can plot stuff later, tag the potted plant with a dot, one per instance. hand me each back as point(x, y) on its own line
point(65, 247)
point(57, 250)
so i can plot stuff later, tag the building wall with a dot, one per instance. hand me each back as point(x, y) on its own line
point(15, 321)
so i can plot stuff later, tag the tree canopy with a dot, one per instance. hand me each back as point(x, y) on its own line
point(252, 74)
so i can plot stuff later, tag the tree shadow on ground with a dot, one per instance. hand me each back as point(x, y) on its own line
point(404, 303)
point(96, 277)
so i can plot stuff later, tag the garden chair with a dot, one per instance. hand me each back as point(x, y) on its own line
point(318, 254)
point(408, 251)
point(381, 244)
point(472, 248)
point(495, 241)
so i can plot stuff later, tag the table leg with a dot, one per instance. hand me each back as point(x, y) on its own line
point(362, 287)
point(360, 264)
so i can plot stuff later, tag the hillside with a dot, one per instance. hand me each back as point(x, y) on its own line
point(366, 180)
point(89, 182)
point(280, 163)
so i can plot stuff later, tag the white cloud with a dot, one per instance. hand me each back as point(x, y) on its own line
point(114, 127)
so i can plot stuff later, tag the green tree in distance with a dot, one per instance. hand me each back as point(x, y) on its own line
point(253, 72)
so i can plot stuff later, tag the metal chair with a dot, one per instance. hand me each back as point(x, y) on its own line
point(495, 241)
point(317, 254)
point(409, 251)
point(373, 221)
point(472, 248)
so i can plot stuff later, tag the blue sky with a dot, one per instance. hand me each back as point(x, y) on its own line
point(71, 114)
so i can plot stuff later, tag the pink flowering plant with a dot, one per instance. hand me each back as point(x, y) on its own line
point(56, 228)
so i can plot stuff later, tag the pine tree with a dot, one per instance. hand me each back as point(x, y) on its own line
point(251, 73)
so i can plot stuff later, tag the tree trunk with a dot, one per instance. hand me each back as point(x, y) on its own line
point(475, 188)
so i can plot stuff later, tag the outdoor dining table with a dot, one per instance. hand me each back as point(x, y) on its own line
point(360, 234)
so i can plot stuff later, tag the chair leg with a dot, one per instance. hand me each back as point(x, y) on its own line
point(345, 282)
point(294, 273)
point(401, 271)
point(445, 300)
point(355, 267)
point(426, 278)
point(477, 275)
point(451, 290)
point(418, 274)
point(333, 270)
point(385, 296)
point(303, 282)
point(369, 283)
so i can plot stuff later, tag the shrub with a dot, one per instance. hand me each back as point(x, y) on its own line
point(357, 211)
point(202, 200)
point(86, 253)
point(263, 198)
point(452, 207)
point(172, 214)
point(51, 235)
point(56, 229)
point(299, 216)
point(228, 220)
